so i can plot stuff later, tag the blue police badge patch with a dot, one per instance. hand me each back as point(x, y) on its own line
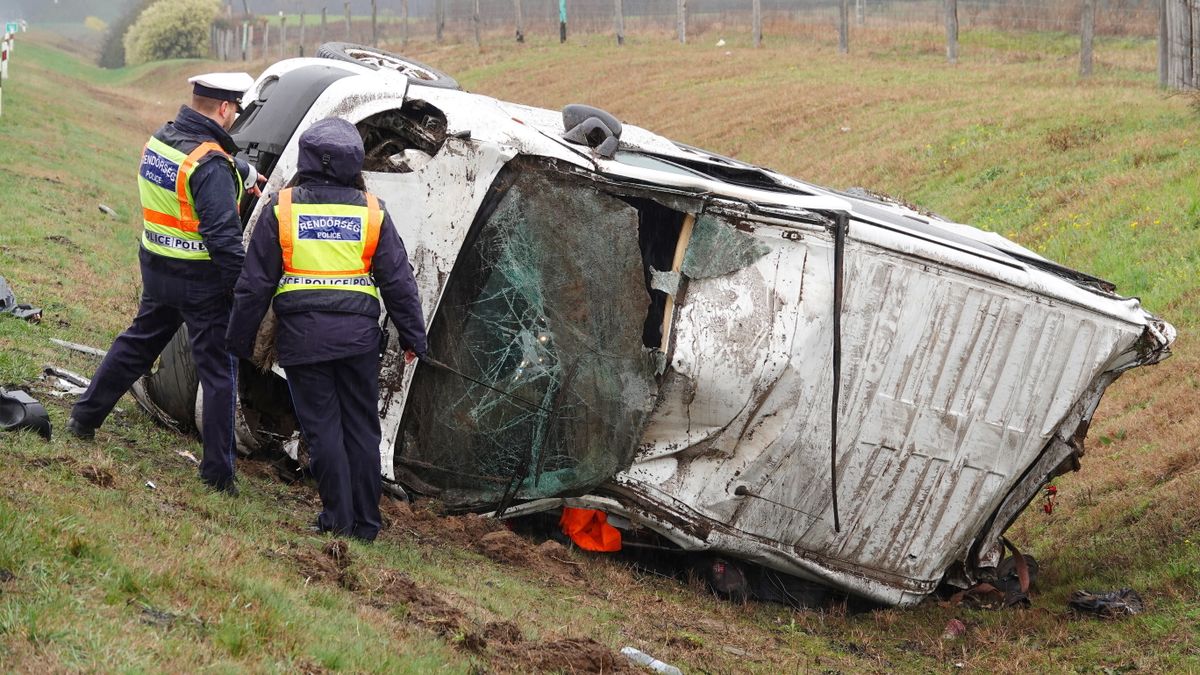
point(159, 170)
point(331, 228)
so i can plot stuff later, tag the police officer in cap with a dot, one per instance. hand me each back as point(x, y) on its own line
point(323, 253)
point(191, 254)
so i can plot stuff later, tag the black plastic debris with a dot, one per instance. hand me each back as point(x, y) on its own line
point(1111, 605)
point(8, 305)
point(19, 410)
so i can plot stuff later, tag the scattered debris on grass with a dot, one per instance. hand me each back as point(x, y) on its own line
point(641, 658)
point(1112, 605)
point(19, 410)
point(954, 629)
point(9, 305)
point(64, 382)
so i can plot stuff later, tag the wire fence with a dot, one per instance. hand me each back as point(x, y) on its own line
point(283, 27)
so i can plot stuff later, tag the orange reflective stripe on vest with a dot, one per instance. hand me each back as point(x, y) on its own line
point(187, 216)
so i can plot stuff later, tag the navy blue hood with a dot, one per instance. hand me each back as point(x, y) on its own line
point(331, 150)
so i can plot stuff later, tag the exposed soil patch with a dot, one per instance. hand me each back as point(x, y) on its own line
point(97, 476)
point(549, 560)
point(65, 241)
point(424, 606)
point(43, 462)
point(330, 565)
point(572, 655)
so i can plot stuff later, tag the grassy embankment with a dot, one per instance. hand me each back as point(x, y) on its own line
point(109, 574)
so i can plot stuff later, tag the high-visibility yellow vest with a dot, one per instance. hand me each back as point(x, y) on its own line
point(327, 247)
point(170, 227)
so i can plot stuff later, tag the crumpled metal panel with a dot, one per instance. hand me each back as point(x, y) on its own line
point(952, 386)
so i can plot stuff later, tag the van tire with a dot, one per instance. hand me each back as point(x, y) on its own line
point(172, 386)
point(417, 72)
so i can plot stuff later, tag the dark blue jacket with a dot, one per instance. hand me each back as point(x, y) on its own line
point(315, 336)
point(214, 189)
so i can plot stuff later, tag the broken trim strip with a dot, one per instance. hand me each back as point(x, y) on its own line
point(841, 224)
point(685, 237)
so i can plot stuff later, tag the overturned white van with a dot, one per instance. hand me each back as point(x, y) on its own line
point(831, 385)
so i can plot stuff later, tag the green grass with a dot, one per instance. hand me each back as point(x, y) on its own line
point(1099, 175)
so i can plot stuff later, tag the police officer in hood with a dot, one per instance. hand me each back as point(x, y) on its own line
point(324, 253)
point(191, 254)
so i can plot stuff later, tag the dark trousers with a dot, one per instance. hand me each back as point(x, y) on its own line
point(167, 303)
point(337, 404)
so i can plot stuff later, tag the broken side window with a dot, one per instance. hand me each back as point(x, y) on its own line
point(399, 141)
point(542, 319)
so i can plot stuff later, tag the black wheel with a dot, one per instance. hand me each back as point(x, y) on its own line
point(417, 72)
point(172, 386)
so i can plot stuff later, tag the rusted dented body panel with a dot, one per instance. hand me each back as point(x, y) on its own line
point(969, 364)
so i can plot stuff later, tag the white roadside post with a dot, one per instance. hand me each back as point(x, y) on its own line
point(5, 48)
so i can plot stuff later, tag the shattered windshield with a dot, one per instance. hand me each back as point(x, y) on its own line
point(547, 384)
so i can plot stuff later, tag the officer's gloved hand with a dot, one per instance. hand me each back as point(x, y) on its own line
point(252, 180)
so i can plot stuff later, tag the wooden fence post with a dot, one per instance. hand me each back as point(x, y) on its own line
point(302, 22)
point(250, 42)
point(347, 7)
point(952, 31)
point(844, 27)
point(520, 21)
point(404, 9)
point(619, 21)
point(266, 40)
point(1087, 31)
point(860, 12)
point(756, 21)
point(440, 18)
point(324, 20)
point(1163, 52)
point(475, 23)
point(374, 23)
point(282, 34)
point(681, 20)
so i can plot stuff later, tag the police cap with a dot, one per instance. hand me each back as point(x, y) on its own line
point(221, 86)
